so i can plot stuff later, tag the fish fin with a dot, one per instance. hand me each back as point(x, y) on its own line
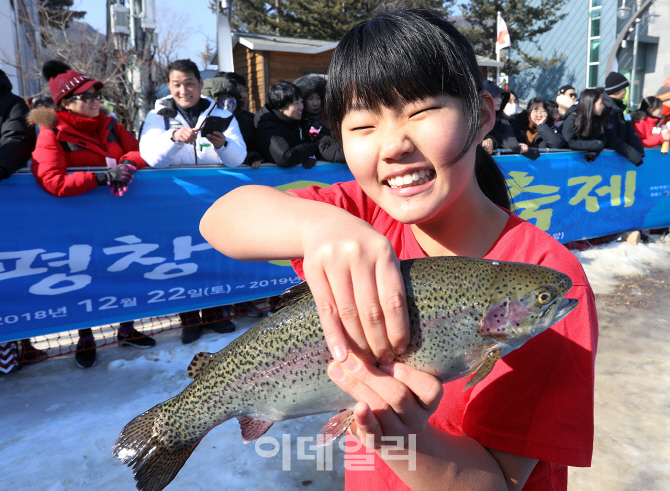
point(293, 294)
point(154, 465)
point(199, 362)
point(484, 368)
point(335, 427)
point(253, 428)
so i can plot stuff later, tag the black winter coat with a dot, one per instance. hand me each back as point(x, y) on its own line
point(621, 134)
point(17, 137)
point(278, 139)
point(592, 145)
point(246, 121)
point(547, 135)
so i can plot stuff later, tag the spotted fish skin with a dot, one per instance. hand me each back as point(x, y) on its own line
point(461, 310)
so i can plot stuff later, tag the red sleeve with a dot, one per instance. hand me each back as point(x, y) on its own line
point(49, 168)
point(643, 129)
point(342, 195)
point(130, 146)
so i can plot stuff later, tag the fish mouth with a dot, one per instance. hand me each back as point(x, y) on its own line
point(566, 306)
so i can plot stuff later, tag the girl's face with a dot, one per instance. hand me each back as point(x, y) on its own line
point(403, 158)
point(537, 114)
point(313, 102)
point(657, 113)
point(598, 107)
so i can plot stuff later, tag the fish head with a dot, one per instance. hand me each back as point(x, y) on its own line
point(526, 300)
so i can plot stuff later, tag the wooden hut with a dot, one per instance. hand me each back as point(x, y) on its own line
point(263, 59)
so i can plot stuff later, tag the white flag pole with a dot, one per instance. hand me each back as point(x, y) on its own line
point(496, 48)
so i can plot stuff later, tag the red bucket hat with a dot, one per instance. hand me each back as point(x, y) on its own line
point(69, 83)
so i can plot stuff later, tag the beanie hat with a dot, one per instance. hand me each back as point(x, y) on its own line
point(615, 82)
point(64, 81)
point(664, 93)
point(565, 88)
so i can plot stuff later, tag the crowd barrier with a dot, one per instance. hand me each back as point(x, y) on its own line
point(69, 263)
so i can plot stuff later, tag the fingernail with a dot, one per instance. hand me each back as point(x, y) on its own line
point(336, 372)
point(385, 360)
point(339, 354)
point(351, 363)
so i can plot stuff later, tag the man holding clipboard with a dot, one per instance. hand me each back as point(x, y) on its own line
point(186, 128)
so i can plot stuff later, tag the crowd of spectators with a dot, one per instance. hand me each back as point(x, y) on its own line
point(598, 119)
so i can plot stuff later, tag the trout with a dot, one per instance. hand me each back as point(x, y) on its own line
point(464, 314)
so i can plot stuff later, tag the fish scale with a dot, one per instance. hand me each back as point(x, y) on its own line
point(464, 314)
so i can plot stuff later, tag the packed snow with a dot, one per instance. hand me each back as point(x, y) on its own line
point(59, 422)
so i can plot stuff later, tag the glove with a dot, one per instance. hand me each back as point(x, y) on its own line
point(118, 177)
point(309, 163)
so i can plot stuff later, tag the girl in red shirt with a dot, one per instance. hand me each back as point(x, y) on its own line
point(406, 97)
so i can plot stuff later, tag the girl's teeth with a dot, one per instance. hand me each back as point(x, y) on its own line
point(418, 177)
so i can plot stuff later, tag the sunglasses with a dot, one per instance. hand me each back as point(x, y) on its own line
point(87, 97)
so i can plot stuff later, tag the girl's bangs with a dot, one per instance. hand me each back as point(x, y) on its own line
point(400, 57)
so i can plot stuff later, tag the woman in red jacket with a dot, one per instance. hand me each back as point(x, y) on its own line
point(77, 134)
point(648, 122)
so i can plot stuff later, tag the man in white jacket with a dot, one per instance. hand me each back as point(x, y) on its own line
point(171, 134)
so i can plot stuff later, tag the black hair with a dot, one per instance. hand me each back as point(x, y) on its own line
point(586, 123)
point(281, 94)
point(647, 105)
point(402, 56)
point(236, 78)
point(184, 66)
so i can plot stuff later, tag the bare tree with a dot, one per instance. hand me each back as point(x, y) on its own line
point(172, 35)
point(86, 51)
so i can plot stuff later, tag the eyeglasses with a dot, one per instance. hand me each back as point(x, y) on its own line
point(572, 94)
point(539, 112)
point(87, 97)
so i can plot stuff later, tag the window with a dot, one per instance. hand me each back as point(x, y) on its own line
point(593, 53)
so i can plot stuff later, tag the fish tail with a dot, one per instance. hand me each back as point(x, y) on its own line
point(141, 447)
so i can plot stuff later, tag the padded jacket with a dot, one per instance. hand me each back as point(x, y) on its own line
point(61, 146)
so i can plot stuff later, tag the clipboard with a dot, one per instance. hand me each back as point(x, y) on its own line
point(215, 123)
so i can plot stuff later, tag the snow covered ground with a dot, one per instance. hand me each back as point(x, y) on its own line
point(59, 422)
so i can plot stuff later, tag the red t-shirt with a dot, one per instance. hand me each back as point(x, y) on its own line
point(538, 400)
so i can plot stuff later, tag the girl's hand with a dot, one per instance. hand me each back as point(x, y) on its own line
point(524, 147)
point(354, 275)
point(394, 400)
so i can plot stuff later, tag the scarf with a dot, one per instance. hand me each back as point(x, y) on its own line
point(87, 126)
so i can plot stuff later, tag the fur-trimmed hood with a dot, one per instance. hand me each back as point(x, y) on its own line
point(46, 117)
point(310, 84)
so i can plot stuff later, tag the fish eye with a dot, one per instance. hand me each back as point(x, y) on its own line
point(544, 296)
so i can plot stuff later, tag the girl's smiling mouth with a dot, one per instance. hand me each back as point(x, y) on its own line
point(410, 179)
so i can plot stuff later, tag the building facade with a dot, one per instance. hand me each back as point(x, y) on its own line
point(592, 41)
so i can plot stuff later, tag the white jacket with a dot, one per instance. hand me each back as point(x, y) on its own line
point(158, 149)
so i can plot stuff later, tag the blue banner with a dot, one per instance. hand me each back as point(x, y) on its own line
point(69, 263)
